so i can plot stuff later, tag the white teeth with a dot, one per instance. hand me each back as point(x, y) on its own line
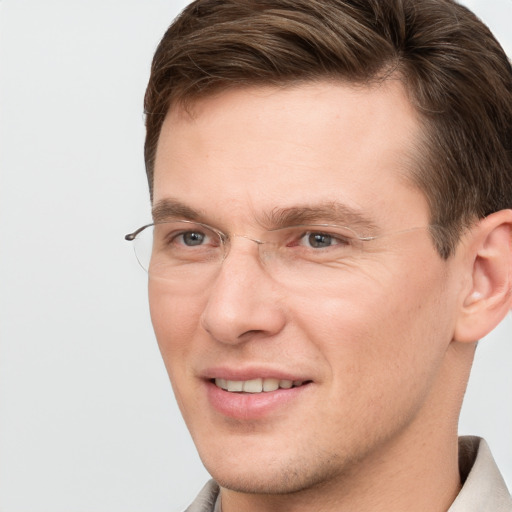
point(256, 385)
point(253, 386)
point(270, 384)
point(285, 384)
point(235, 385)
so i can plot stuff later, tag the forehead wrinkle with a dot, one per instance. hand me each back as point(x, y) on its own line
point(331, 212)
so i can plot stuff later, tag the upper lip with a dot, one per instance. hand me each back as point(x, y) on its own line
point(249, 373)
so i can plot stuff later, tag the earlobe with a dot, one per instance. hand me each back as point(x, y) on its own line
point(489, 297)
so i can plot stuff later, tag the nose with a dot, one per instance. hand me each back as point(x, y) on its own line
point(243, 302)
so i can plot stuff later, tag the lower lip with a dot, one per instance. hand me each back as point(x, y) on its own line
point(251, 406)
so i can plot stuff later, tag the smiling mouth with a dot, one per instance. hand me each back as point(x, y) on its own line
point(257, 385)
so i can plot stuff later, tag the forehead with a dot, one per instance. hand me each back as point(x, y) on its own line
point(255, 149)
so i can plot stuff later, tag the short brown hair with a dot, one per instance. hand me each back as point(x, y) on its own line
point(455, 72)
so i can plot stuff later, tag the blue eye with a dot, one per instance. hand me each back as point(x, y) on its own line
point(193, 238)
point(318, 240)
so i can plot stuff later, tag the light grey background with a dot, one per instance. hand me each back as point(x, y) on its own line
point(87, 419)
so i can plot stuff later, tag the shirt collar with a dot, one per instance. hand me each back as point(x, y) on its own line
point(483, 486)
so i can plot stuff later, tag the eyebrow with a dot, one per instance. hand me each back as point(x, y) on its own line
point(330, 212)
point(167, 209)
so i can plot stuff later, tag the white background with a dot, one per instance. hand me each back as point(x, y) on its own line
point(87, 419)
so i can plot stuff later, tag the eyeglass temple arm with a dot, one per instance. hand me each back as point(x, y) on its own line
point(131, 236)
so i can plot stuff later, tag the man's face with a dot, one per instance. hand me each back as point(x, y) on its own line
point(369, 346)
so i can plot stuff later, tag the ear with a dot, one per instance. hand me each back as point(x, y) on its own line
point(488, 298)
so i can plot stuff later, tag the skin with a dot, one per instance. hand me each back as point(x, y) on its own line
point(376, 428)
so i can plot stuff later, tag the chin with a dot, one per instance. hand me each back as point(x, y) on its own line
point(272, 476)
point(282, 481)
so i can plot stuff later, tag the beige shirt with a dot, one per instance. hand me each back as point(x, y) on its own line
point(483, 489)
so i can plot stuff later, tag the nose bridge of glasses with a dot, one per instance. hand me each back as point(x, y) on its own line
point(247, 237)
point(228, 242)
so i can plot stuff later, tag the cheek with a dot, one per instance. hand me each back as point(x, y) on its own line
point(386, 330)
point(175, 320)
point(383, 348)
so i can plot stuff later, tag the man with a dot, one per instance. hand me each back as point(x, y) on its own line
point(331, 185)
